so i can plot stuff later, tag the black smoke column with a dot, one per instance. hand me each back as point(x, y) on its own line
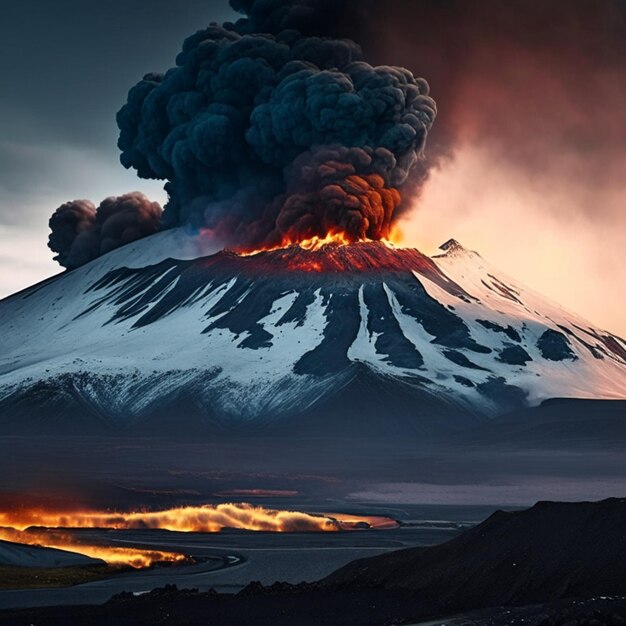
point(232, 127)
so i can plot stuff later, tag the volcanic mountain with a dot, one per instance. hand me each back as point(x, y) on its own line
point(355, 334)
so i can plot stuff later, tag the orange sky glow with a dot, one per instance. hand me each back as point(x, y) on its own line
point(537, 229)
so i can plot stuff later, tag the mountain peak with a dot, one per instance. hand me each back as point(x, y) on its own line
point(453, 248)
point(234, 341)
point(450, 245)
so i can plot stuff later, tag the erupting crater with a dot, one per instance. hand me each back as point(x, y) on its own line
point(327, 256)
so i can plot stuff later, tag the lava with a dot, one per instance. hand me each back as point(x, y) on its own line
point(360, 257)
point(314, 243)
point(35, 526)
point(115, 556)
point(205, 518)
point(311, 244)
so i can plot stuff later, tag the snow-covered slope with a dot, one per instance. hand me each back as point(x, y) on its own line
point(353, 332)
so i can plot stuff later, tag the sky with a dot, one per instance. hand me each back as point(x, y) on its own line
point(67, 67)
point(528, 151)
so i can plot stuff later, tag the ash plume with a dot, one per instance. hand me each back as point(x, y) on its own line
point(328, 18)
point(70, 221)
point(80, 232)
point(238, 126)
point(540, 84)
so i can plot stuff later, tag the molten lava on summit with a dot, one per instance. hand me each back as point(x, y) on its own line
point(324, 255)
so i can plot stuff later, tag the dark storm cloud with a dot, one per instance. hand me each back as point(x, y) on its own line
point(80, 232)
point(225, 126)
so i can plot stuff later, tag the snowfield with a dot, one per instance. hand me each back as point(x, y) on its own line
point(136, 332)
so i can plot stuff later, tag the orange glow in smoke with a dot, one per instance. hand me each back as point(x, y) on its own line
point(358, 208)
point(29, 526)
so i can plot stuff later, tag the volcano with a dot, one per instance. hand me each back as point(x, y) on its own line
point(363, 336)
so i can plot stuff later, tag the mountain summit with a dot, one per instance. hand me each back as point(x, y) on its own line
point(357, 333)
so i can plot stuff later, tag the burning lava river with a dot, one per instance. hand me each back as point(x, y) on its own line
point(53, 528)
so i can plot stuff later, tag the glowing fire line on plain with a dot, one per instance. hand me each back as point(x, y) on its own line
point(30, 526)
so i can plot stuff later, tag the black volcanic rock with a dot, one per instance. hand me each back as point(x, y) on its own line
point(514, 355)
point(509, 331)
point(550, 551)
point(554, 346)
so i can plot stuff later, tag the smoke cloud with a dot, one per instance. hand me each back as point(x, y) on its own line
point(80, 232)
point(539, 83)
point(265, 135)
point(339, 189)
point(326, 18)
point(528, 153)
point(70, 221)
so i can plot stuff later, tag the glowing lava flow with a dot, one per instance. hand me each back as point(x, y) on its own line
point(206, 518)
point(133, 557)
point(313, 244)
point(30, 526)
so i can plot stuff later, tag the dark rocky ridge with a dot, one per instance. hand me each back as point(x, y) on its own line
point(550, 551)
point(555, 346)
point(556, 423)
